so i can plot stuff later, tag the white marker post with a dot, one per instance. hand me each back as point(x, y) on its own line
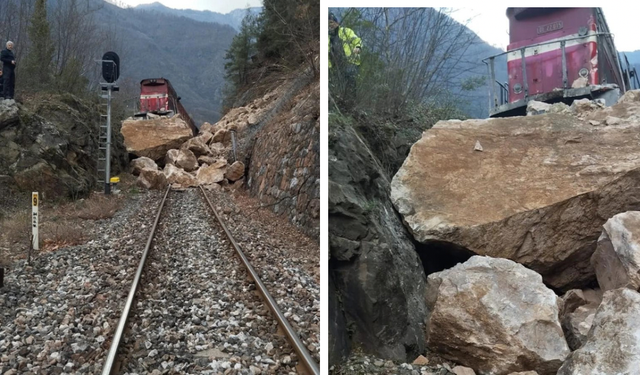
point(34, 223)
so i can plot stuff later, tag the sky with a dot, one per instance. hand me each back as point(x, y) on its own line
point(220, 6)
point(492, 26)
point(489, 22)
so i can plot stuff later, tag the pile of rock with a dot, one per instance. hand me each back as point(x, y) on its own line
point(497, 317)
point(198, 161)
point(549, 203)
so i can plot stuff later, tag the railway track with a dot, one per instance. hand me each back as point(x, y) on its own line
point(196, 310)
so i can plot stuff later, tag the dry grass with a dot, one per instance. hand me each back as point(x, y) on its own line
point(98, 207)
point(61, 224)
point(62, 234)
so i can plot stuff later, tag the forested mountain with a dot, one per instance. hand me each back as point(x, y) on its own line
point(233, 18)
point(150, 44)
point(188, 53)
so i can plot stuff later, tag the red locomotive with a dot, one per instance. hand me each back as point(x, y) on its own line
point(157, 96)
point(557, 54)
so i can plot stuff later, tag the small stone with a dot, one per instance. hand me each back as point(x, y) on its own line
point(612, 120)
point(378, 362)
point(269, 348)
point(286, 360)
point(478, 146)
point(421, 361)
point(153, 353)
point(389, 364)
point(29, 340)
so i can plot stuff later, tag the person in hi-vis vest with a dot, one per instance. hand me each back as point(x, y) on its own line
point(344, 60)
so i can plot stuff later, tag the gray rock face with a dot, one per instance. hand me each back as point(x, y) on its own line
point(496, 316)
point(51, 145)
point(613, 343)
point(377, 273)
point(617, 256)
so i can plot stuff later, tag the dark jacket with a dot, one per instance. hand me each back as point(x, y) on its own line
point(7, 57)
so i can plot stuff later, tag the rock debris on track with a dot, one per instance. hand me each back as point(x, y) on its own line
point(287, 266)
point(197, 310)
point(58, 316)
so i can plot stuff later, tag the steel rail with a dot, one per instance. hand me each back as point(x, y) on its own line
point(113, 351)
point(295, 341)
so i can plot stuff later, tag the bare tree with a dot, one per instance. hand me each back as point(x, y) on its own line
point(409, 55)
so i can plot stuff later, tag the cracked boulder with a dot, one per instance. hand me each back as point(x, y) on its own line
point(235, 171)
point(495, 316)
point(178, 176)
point(538, 194)
point(153, 138)
point(183, 158)
point(617, 257)
point(138, 164)
point(613, 343)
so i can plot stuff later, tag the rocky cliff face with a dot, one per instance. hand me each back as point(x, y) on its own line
point(50, 145)
point(284, 171)
point(378, 303)
point(278, 140)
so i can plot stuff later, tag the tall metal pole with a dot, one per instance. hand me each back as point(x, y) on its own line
point(107, 169)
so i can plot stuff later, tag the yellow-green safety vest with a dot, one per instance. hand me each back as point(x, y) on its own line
point(349, 42)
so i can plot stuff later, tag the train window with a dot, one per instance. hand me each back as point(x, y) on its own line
point(524, 13)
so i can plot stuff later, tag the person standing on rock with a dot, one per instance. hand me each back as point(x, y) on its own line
point(344, 60)
point(8, 66)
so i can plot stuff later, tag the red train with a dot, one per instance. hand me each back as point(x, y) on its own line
point(558, 54)
point(157, 96)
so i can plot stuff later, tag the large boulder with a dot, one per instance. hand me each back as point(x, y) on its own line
point(495, 316)
point(617, 257)
point(178, 176)
point(152, 179)
point(538, 193)
point(197, 145)
point(217, 149)
point(210, 174)
point(182, 158)
point(153, 138)
point(205, 136)
point(222, 136)
point(613, 343)
point(138, 164)
point(235, 171)
point(210, 160)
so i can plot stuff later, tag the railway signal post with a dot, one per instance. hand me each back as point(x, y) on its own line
point(110, 72)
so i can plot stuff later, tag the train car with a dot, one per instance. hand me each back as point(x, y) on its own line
point(158, 96)
point(556, 54)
